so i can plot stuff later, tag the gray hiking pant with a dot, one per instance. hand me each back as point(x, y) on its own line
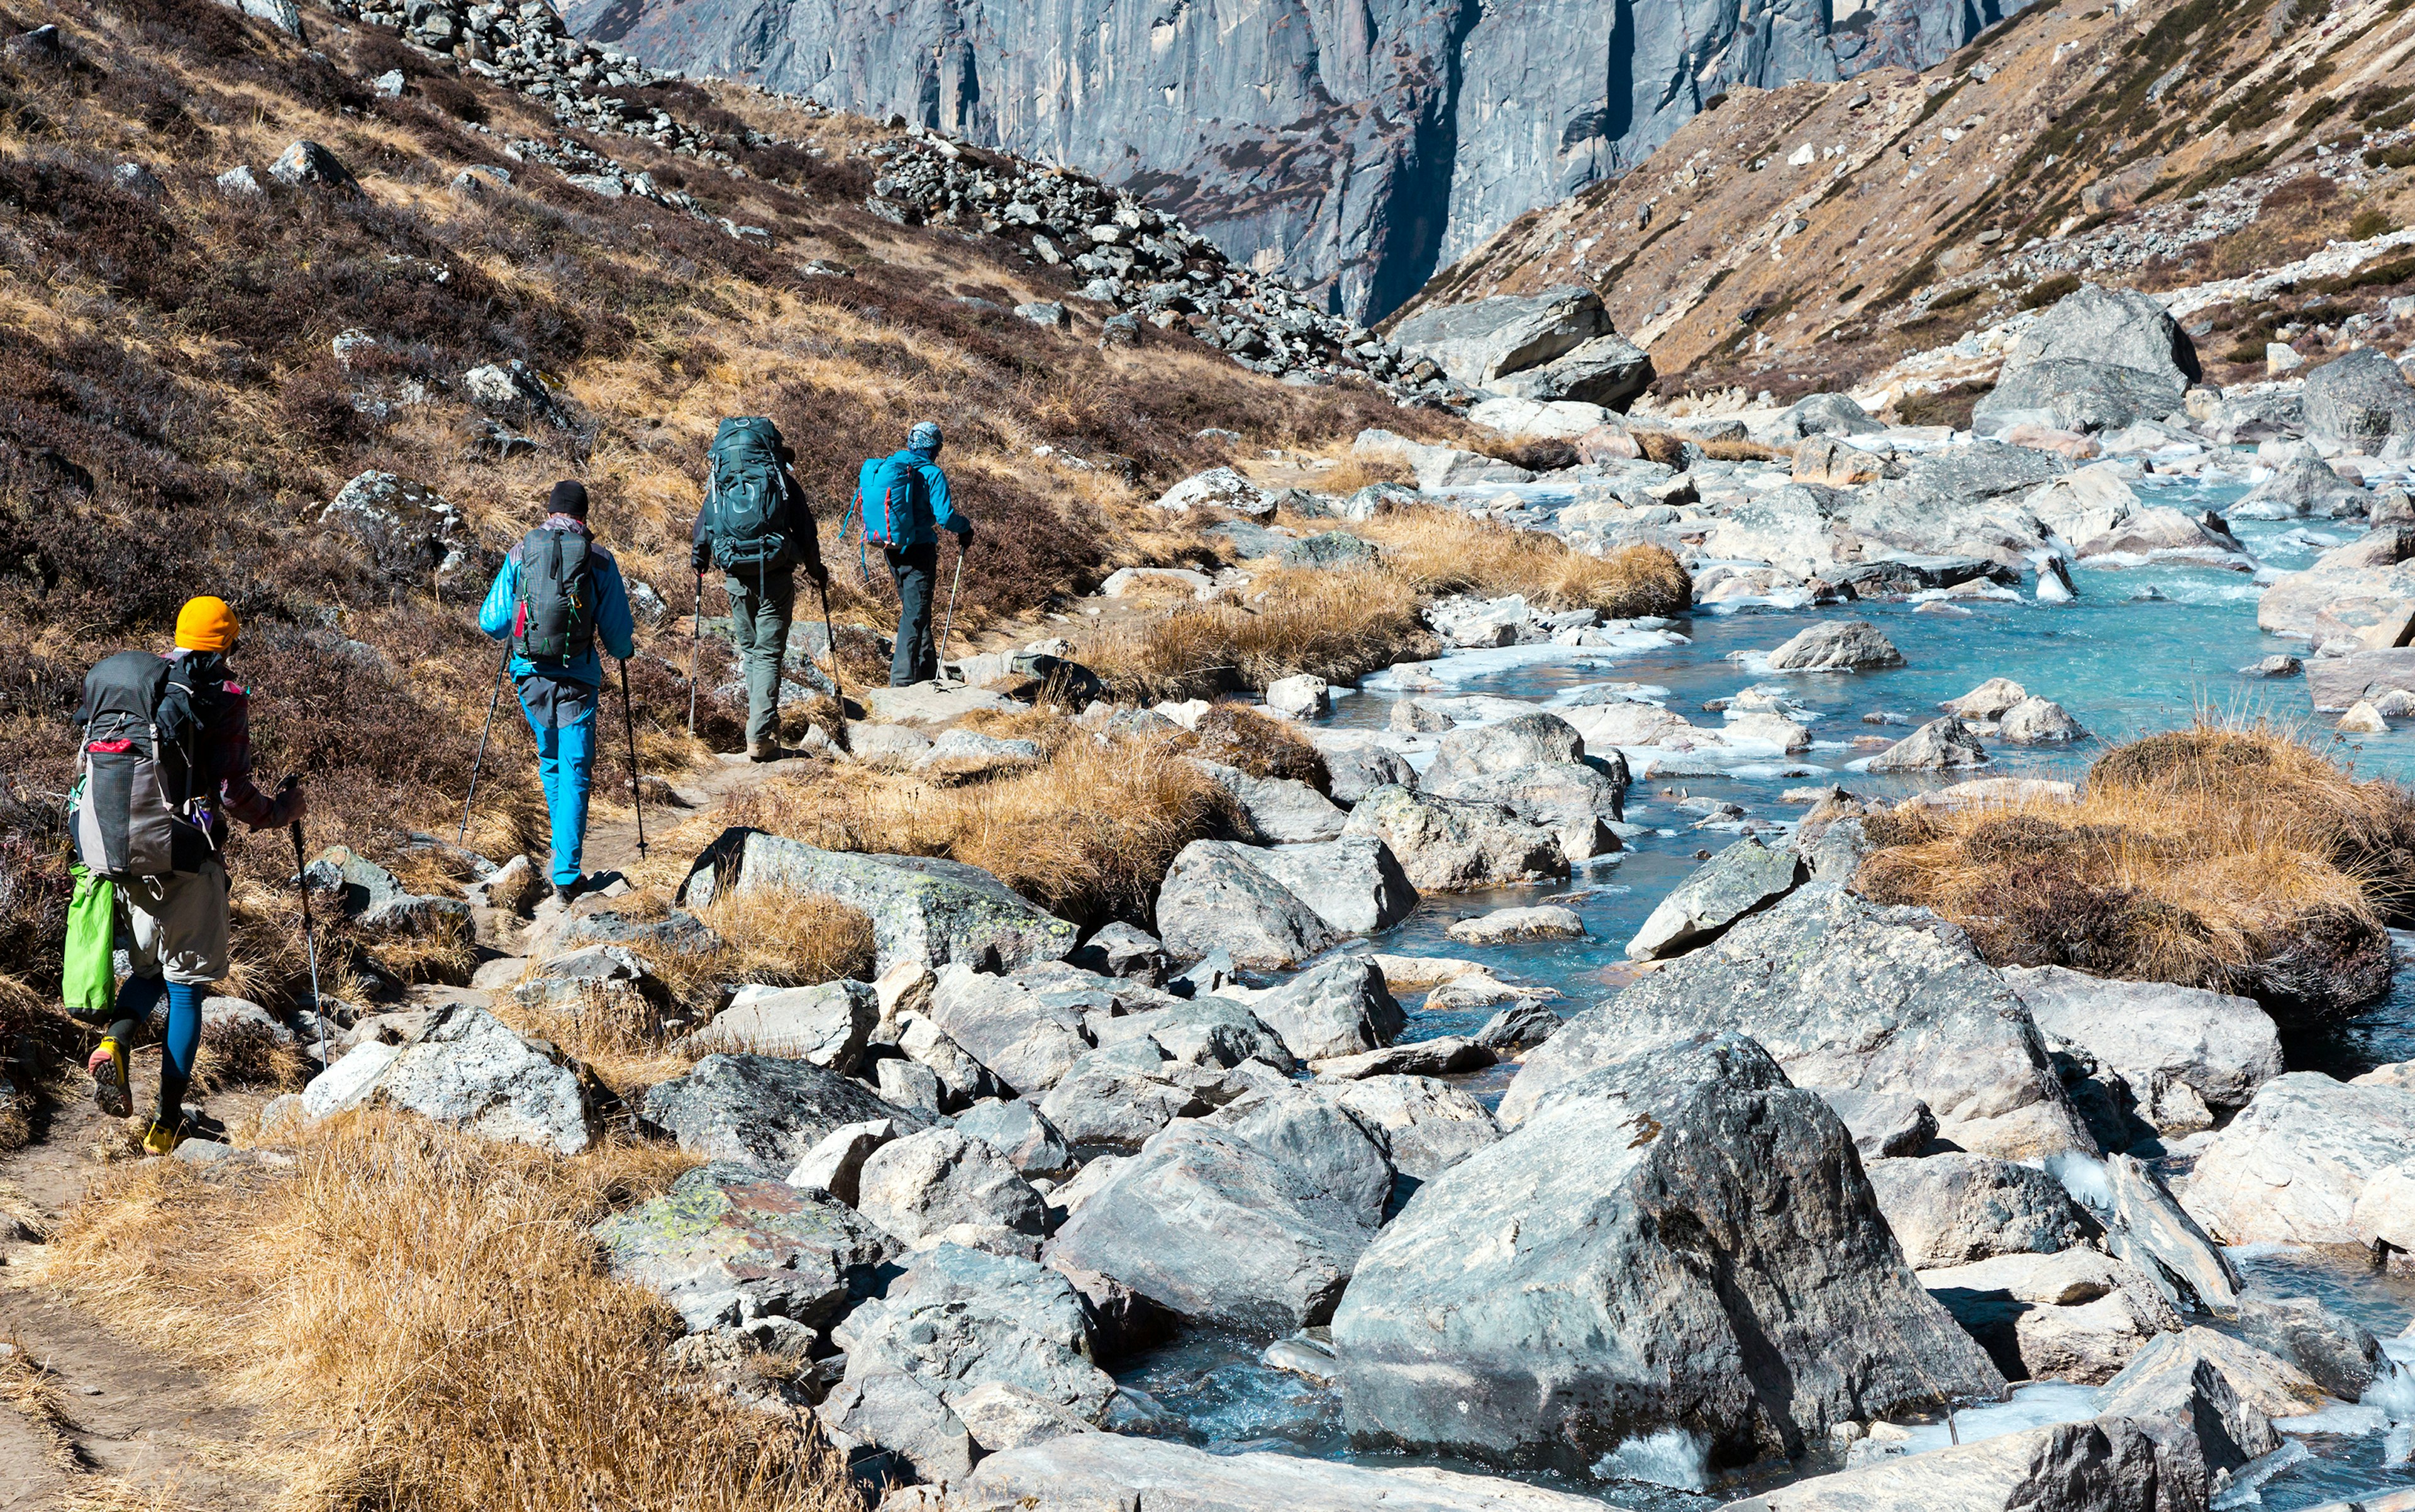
point(763, 604)
point(916, 572)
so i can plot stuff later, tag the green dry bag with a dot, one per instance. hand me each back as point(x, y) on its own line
point(88, 972)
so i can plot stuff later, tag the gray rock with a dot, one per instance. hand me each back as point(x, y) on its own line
point(961, 1319)
point(728, 1244)
point(2099, 360)
point(922, 908)
point(138, 181)
point(2075, 395)
point(1520, 1266)
point(1119, 1100)
point(1581, 804)
point(2359, 400)
point(309, 165)
point(1329, 551)
point(1940, 745)
point(1608, 370)
point(1884, 1125)
point(1216, 898)
point(1504, 926)
point(1122, 949)
point(1280, 809)
point(1045, 312)
point(2039, 722)
point(467, 1070)
point(237, 183)
point(1213, 1226)
point(1521, 1025)
point(894, 1412)
point(2073, 1315)
point(375, 899)
point(2221, 1046)
point(404, 530)
point(1446, 1057)
point(1359, 769)
point(1829, 414)
point(1018, 1130)
point(2339, 1353)
point(1741, 880)
point(1479, 343)
point(1951, 1209)
point(961, 1077)
point(2274, 666)
point(1353, 884)
point(1426, 1127)
point(2107, 1464)
point(836, 1163)
point(1340, 1008)
point(1845, 994)
point(2292, 1164)
point(2267, 1384)
point(759, 1110)
point(2303, 485)
point(2147, 1227)
point(2176, 1380)
point(921, 1186)
point(1452, 844)
point(1110, 1470)
point(1027, 1030)
point(1204, 1031)
point(1836, 646)
point(909, 1085)
point(827, 1025)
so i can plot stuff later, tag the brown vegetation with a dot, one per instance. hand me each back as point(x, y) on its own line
point(1338, 626)
point(1442, 552)
point(2232, 857)
point(419, 1318)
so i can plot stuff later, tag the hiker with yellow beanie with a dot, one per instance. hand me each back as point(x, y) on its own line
point(166, 762)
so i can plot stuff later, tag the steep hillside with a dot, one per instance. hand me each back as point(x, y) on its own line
point(472, 292)
point(1355, 147)
point(1805, 237)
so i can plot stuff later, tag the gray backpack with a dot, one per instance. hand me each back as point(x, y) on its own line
point(134, 810)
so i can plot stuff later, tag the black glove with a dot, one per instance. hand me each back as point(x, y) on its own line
point(964, 536)
point(702, 556)
point(820, 573)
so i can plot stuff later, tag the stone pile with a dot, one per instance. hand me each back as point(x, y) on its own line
point(1142, 261)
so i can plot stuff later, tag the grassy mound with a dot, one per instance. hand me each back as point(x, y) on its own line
point(2235, 857)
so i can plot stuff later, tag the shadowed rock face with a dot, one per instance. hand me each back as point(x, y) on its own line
point(1362, 146)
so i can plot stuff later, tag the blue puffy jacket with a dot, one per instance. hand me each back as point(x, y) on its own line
point(932, 508)
point(614, 627)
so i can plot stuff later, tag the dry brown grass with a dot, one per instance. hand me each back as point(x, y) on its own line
point(2228, 856)
point(1338, 626)
point(1088, 834)
point(421, 1319)
point(1353, 473)
point(1439, 551)
point(1741, 451)
point(34, 1394)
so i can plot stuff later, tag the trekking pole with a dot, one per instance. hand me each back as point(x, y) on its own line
point(636, 784)
point(829, 643)
point(694, 650)
point(464, 838)
point(309, 935)
point(951, 624)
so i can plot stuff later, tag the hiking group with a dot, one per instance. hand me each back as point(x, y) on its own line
point(165, 756)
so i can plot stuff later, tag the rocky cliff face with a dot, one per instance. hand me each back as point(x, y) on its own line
point(1355, 146)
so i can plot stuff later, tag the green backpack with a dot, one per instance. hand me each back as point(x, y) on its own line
point(743, 500)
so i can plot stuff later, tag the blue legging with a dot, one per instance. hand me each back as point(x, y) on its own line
point(136, 1000)
point(566, 764)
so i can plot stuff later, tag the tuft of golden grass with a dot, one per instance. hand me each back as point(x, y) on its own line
point(1338, 626)
point(33, 1392)
point(2197, 857)
point(1353, 473)
point(1088, 834)
point(1440, 552)
point(1741, 451)
point(422, 1317)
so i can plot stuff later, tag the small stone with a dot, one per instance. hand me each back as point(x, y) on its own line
point(1505, 926)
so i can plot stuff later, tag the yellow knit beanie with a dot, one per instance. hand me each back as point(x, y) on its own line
point(206, 625)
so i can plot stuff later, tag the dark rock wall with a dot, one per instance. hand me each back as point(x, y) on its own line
point(1358, 146)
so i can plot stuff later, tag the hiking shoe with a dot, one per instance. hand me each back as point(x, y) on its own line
point(567, 893)
point(764, 751)
point(111, 1092)
point(161, 1139)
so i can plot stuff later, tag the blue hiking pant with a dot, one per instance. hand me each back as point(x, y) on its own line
point(564, 727)
point(137, 1000)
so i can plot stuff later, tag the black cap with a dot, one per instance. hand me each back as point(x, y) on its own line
point(569, 498)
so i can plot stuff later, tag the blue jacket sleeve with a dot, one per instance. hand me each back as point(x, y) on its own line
point(613, 621)
point(495, 615)
point(943, 509)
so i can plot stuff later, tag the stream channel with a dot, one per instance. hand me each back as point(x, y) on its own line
point(2124, 663)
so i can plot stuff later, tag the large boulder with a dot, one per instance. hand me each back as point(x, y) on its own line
point(2359, 400)
point(1083, 1472)
point(2073, 1315)
point(728, 1245)
point(1580, 803)
point(1340, 1008)
point(1478, 343)
point(924, 1186)
point(2099, 360)
point(1836, 646)
point(1953, 1209)
point(1353, 884)
point(2368, 568)
point(1608, 370)
point(1742, 879)
point(1280, 809)
point(470, 1071)
point(1215, 897)
point(1018, 1130)
point(1252, 1226)
point(1027, 1030)
point(1716, 1261)
point(1962, 501)
point(1425, 1126)
point(922, 908)
point(404, 530)
point(2293, 1165)
point(961, 1319)
point(2267, 1384)
point(1849, 993)
point(827, 1024)
point(1452, 844)
point(1523, 741)
point(761, 1111)
point(2153, 1034)
point(2107, 1464)
point(1940, 745)
point(1828, 415)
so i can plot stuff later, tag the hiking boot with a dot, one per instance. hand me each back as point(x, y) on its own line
point(161, 1139)
point(111, 1092)
point(764, 751)
point(567, 893)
